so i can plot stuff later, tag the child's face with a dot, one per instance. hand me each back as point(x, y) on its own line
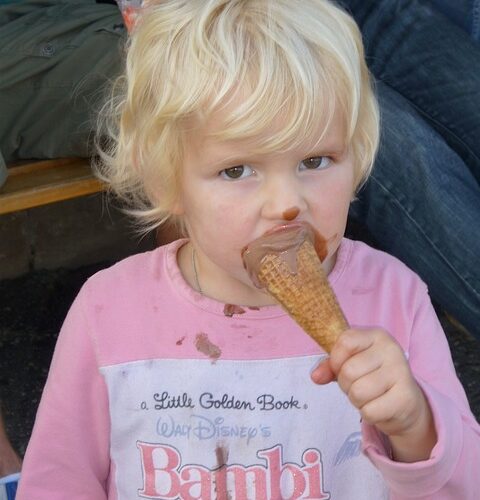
point(229, 197)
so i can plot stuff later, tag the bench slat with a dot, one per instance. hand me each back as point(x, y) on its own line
point(42, 182)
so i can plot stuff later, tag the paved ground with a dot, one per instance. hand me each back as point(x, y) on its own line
point(32, 309)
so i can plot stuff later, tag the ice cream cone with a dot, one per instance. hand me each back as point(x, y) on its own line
point(301, 286)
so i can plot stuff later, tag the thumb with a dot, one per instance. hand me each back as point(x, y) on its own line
point(323, 373)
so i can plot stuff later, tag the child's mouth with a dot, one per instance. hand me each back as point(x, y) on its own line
point(289, 226)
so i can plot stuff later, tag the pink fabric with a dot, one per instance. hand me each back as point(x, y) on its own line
point(142, 310)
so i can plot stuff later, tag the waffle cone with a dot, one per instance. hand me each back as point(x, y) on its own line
point(305, 294)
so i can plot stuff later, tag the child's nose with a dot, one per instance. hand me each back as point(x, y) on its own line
point(283, 200)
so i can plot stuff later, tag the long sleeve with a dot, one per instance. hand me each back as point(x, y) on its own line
point(68, 454)
point(451, 472)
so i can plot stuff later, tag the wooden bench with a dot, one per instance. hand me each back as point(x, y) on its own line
point(38, 183)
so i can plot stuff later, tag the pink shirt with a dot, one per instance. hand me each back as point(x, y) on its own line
point(158, 392)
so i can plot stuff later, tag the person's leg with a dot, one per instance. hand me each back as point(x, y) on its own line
point(464, 13)
point(430, 61)
point(55, 59)
point(422, 205)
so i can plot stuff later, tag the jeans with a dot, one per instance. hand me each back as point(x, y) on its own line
point(422, 203)
point(464, 13)
point(423, 207)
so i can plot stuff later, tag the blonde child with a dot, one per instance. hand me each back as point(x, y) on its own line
point(174, 377)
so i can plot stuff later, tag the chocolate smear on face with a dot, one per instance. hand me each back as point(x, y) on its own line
point(230, 309)
point(291, 213)
point(203, 345)
point(321, 245)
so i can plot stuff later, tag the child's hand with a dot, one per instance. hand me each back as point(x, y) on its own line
point(370, 367)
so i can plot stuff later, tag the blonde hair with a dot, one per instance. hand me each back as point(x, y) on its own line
point(295, 59)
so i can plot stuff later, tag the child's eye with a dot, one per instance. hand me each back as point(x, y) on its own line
point(237, 172)
point(315, 163)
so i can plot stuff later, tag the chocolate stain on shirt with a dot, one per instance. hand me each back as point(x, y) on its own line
point(180, 341)
point(203, 345)
point(221, 454)
point(230, 309)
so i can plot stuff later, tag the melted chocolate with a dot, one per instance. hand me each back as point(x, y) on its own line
point(283, 241)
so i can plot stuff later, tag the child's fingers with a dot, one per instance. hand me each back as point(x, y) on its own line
point(349, 343)
point(323, 373)
point(327, 371)
point(389, 413)
point(395, 410)
point(381, 410)
point(368, 388)
point(358, 366)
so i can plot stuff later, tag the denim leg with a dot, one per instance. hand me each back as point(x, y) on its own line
point(430, 61)
point(476, 21)
point(422, 205)
point(464, 13)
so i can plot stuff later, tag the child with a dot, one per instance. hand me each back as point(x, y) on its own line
point(174, 376)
